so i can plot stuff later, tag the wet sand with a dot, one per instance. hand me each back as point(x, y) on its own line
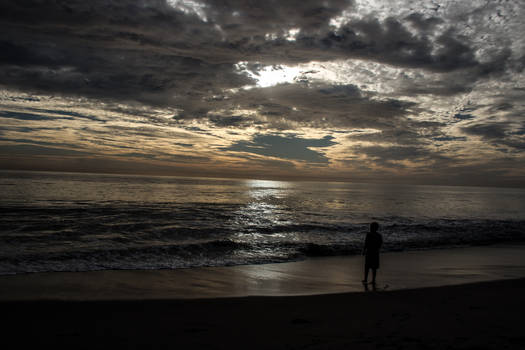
point(399, 270)
point(98, 310)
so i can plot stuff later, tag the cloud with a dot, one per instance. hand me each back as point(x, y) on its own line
point(486, 131)
point(177, 158)
point(315, 105)
point(46, 114)
point(240, 19)
point(28, 116)
point(236, 121)
point(498, 134)
point(67, 113)
point(403, 132)
point(422, 23)
point(450, 138)
point(179, 81)
point(159, 54)
point(391, 42)
point(465, 116)
point(25, 149)
point(389, 155)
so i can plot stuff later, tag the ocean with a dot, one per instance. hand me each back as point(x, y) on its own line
point(83, 222)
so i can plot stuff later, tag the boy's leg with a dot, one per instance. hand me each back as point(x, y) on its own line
point(374, 272)
point(366, 274)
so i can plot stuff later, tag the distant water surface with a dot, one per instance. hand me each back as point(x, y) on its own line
point(80, 222)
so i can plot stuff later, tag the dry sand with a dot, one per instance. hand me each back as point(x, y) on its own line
point(480, 315)
point(486, 315)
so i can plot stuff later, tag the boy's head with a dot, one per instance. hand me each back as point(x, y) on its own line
point(374, 227)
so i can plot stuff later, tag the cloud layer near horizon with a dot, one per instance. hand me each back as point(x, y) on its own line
point(337, 89)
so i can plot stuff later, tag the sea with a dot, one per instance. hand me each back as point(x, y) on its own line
point(52, 221)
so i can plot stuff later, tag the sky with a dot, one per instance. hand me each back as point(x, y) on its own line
point(402, 91)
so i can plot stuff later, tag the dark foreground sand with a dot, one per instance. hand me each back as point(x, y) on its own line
point(434, 300)
point(486, 315)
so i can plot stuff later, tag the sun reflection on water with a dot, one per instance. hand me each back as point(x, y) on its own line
point(265, 211)
point(267, 183)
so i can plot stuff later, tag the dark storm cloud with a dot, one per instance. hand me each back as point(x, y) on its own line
point(125, 51)
point(314, 105)
point(134, 50)
point(391, 42)
point(450, 138)
point(46, 114)
point(66, 113)
point(230, 121)
point(424, 24)
point(486, 131)
point(28, 116)
point(287, 147)
point(321, 105)
point(151, 52)
point(242, 19)
point(498, 134)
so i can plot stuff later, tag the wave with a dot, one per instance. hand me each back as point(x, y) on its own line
point(248, 247)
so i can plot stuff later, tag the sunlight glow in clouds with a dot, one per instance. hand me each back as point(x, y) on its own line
point(272, 75)
point(190, 7)
point(335, 72)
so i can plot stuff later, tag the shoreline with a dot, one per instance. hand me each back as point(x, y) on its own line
point(313, 276)
point(445, 300)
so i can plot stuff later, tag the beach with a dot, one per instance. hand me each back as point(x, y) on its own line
point(485, 315)
point(462, 298)
point(193, 174)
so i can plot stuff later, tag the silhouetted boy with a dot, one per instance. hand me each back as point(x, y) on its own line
point(373, 242)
